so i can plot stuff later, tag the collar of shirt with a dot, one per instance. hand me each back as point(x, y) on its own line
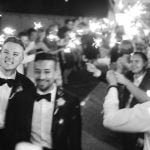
point(52, 91)
point(5, 77)
point(138, 80)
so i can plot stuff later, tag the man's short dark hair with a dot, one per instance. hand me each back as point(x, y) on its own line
point(142, 55)
point(15, 40)
point(30, 31)
point(22, 34)
point(45, 56)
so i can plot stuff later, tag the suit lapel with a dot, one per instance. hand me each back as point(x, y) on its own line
point(16, 84)
point(55, 104)
point(144, 85)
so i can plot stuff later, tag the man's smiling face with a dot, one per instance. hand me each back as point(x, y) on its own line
point(11, 56)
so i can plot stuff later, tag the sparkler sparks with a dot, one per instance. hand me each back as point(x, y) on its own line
point(52, 37)
point(9, 31)
point(2, 39)
point(128, 19)
point(97, 42)
point(37, 25)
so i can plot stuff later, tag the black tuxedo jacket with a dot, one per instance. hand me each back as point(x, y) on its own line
point(19, 112)
point(66, 124)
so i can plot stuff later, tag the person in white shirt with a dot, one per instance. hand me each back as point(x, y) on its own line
point(16, 96)
point(136, 119)
point(56, 114)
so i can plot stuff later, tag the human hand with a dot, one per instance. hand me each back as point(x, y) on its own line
point(93, 69)
point(120, 78)
point(111, 78)
point(119, 65)
point(125, 61)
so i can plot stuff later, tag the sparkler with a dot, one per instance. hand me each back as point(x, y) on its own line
point(94, 25)
point(129, 19)
point(37, 25)
point(9, 31)
point(52, 37)
point(67, 50)
point(2, 39)
point(97, 42)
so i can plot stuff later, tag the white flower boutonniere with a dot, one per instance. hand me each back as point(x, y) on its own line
point(19, 89)
point(60, 102)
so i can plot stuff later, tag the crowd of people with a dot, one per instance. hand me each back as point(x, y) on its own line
point(45, 110)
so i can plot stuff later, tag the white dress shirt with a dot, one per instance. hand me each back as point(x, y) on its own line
point(42, 120)
point(136, 119)
point(5, 91)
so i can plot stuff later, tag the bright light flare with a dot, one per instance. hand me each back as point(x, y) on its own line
point(77, 41)
point(128, 19)
point(9, 31)
point(67, 50)
point(37, 25)
point(94, 26)
point(71, 44)
point(2, 39)
point(52, 37)
point(97, 42)
point(80, 31)
point(120, 5)
point(113, 40)
point(72, 35)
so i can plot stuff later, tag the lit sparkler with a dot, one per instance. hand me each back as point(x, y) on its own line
point(129, 18)
point(97, 42)
point(94, 25)
point(2, 39)
point(67, 50)
point(37, 25)
point(113, 39)
point(52, 37)
point(9, 31)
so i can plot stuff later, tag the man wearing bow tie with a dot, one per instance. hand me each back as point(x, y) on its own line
point(56, 122)
point(16, 96)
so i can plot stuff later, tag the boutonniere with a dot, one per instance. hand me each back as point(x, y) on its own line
point(18, 89)
point(60, 102)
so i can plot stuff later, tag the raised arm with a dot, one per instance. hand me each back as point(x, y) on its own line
point(134, 119)
point(140, 95)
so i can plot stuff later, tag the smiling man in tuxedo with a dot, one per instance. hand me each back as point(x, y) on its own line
point(16, 96)
point(56, 122)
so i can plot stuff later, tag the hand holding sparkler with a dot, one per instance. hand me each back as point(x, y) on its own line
point(93, 69)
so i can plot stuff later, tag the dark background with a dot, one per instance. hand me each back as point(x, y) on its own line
point(57, 7)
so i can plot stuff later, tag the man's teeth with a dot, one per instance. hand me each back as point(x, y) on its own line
point(8, 62)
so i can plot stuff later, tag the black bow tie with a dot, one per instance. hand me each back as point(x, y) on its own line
point(10, 82)
point(44, 96)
